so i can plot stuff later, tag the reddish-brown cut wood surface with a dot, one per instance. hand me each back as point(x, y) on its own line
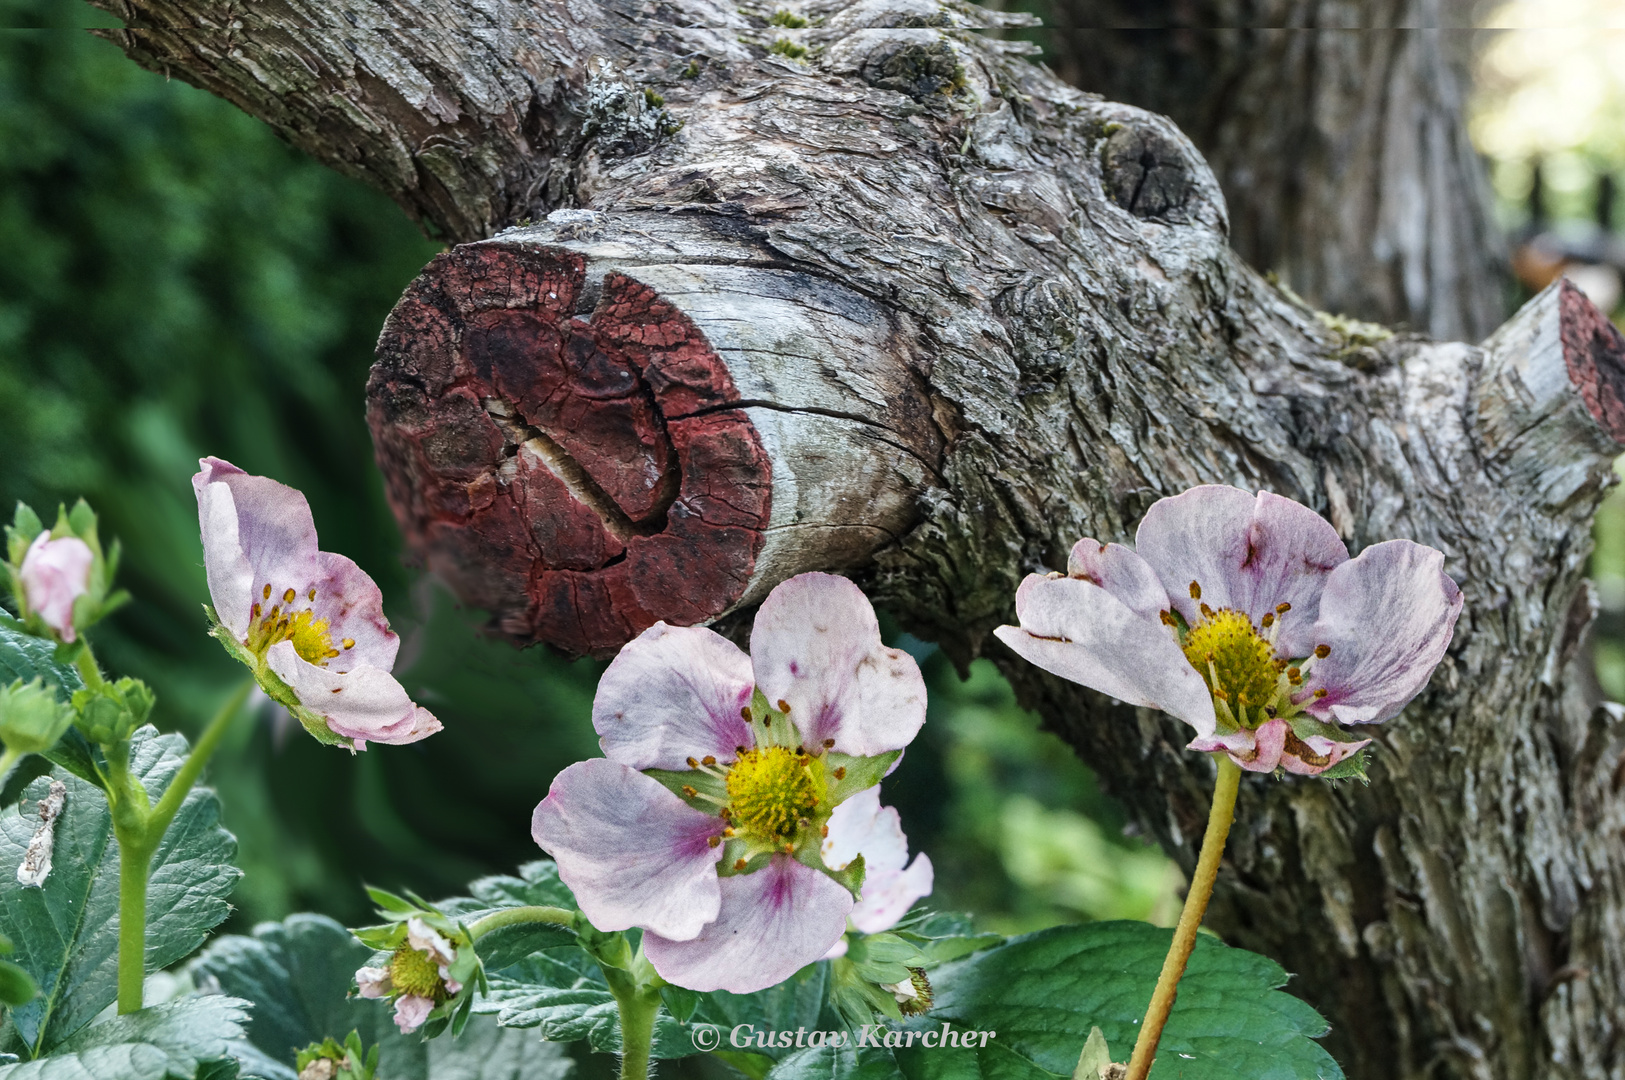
point(1594, 350)
point(579, 478)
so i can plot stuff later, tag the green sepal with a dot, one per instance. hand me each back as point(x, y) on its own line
point(862, 773)
point(1305, 726)
point(884, 957)
point(1350, 768)
point(675, 780)
point(24, 528)
point(351, 1061)
point(1095, 1059)
point(109, 713)
point(390, 904)
point(680, 1001)
point(32, 716)
point(850, 879)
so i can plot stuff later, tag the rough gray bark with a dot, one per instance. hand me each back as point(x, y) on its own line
point(1087, 342)
point(1336, 130)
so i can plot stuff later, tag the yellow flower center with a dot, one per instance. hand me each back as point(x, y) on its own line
point(412, 971)
point(1236, 661)
point(311, 636)
point(773, 791)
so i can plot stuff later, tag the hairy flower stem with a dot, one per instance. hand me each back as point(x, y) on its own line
point(139, 827)
point(516, 916)
point(637, 995)
point(1190, 919)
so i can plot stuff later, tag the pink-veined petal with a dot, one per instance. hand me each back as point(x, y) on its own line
point(1121, 572)
point(816, 646)
point(889, 894)
point(633, 853)
point(1079, 631)
point(353, 605)
point(365, 704)
point(275, 532)
point(1247, 552)
point(772, 923)
point(1387, 616)
point(1255, 751)
point(672, 693)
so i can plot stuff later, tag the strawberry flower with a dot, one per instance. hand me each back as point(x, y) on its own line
point(1245, 617)
point(704, 822)
point(310, 624)
point(54, 574)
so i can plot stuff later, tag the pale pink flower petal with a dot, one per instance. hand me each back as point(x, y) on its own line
point(411, 1011)
point(673, 693)
point(816, 646)
point(1248, 553)
point(269, 526)
point(425, 939)
point(771, 924)
point(1388, 616)
point(373, 982)
point(54, 574)
point(1080, 631)
point(366, 704)
point(862, 825)
point(633, 853)
point(1121, 572)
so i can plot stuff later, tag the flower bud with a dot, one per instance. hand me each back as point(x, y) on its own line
point(333, 1060)
point(54, 574)
point(110, 712)
point(32, 719)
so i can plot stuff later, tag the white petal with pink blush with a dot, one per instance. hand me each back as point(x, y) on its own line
point(53, 575)
point(309, 623)
point(1267, 634)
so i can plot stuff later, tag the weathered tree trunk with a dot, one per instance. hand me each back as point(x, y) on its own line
point(1336, 131)
point(908, 305)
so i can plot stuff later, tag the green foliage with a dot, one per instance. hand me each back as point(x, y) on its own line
point(180, 1040)
point(66, 931)
point(350, 1060)
point(298, 974)
point(1043, 993)
point(32, 716)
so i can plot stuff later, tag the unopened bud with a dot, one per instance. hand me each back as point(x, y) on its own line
point(110, 713)
point(54, 574)
point(32, 718)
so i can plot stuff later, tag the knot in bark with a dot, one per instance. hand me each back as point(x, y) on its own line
point(1147, 174)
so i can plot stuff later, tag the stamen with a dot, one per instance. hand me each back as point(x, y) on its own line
point(1207, 612)
point(714, 841)
point(728, 832)
point(784, 706)
point(287, 597)
point(708, 760)
point(829, 743)
point(693, 763)
point(767, 721)
point(311, 595)
point(1196, 591)
point(823, 830)
point(266, 594)
point(1282, 609)
point(1322, 692)
point(1167, 619)
point(689, 791)
point(744, 714)
point(1323, 651)
point(349, 643)
point(256, 611)
point(840, 773)
point(1268, 620)
point(739, 864)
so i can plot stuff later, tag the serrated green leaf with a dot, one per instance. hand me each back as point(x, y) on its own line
point(1042, 994)
point(298, 972)
point(66, 932)
point(187, 1036)
point(25, 657)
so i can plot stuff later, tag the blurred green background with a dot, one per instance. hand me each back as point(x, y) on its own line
point(177, 282)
